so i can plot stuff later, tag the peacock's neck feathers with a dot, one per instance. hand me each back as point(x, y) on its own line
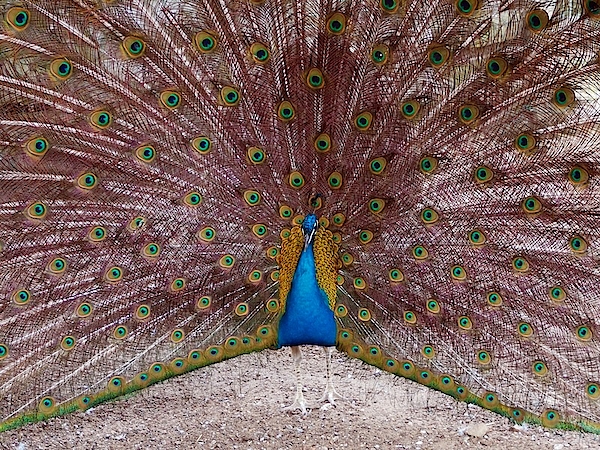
point(158, 159)
point(311, 256)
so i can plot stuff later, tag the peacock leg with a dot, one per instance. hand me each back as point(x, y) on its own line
point(299, 402)
point(330, 393)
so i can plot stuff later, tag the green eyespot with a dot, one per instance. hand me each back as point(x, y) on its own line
point(477, 237)
point(84, 310)
point(192, 199)
point(363, 121)
point(145, 153)
point(273, 305)
point(227, 261)
point(36, 211)
point(203, 303)
point(142, 312)
point(377, 165)
point(202, 145)
point(494, 299)
point(380, 54)
point(285, 212)
point(255, 276)
point(578, 176)
point(531, 205)
point(389, 6)
point(365, 236)
point(410, 317)
point(286, 111)
point(537, 20)
point(563, 97)
point(151, 250)
point(464, 323)
point(364, 314)
point(120, 332)
point(67, 343)
point(315, 79)
point(205, 42)
point(428, 164)
point(256, 155)
point(525, 143)
point(428, 351)
point(420, 253)
point(359, 283)
point(116, 385)
point(17, 18)
point(133, 46)
point(335, 180)
point(259, 230)
point(466, 8)
point(339, 219)
point(178, 284)
point(341, 311)
point(60, 69)
point(539, 368)
point(550, 418)
point(296, 180)
point(410, 109)
point(47, 405)
point(520, 264)
point(433, 306)
point(37, 146)
point(557, 294)
point(177, 335)
point(458, 273)
point(87, 181)
point(230, 96)
point(525, 329)
point(242, 309)
point(496, 67)
point(395, 275)
point(584, 333)
point(429, 216)
point(57, 266)
point(376, 205)
point(100, 119)
point(592, 390)
point(260, 53)
point(137, 223)
point(483, 174)
point(467, 114)
point(490, 400)
point(438, 55)
point(21, 297)
point(484, 358)
point(323, 143)
point(336, 24)
point(113, 274)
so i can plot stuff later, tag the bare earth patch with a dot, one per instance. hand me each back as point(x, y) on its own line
point(238, 405)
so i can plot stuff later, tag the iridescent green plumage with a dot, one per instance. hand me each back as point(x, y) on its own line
point(157, 157)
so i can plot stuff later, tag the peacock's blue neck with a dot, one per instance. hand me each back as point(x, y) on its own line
point(308, 319)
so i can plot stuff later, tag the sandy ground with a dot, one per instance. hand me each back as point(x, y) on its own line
point(238, 405)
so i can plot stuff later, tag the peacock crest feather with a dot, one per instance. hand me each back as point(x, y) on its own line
point(182, 182)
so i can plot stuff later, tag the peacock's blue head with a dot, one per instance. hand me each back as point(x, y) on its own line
point(309, 227)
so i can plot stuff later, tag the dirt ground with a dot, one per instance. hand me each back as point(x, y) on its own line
point(238, 405)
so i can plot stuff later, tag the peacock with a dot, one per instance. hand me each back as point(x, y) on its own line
point(415, 183)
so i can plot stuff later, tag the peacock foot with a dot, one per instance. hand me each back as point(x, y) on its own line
point(299, 404)
point(331, 395)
